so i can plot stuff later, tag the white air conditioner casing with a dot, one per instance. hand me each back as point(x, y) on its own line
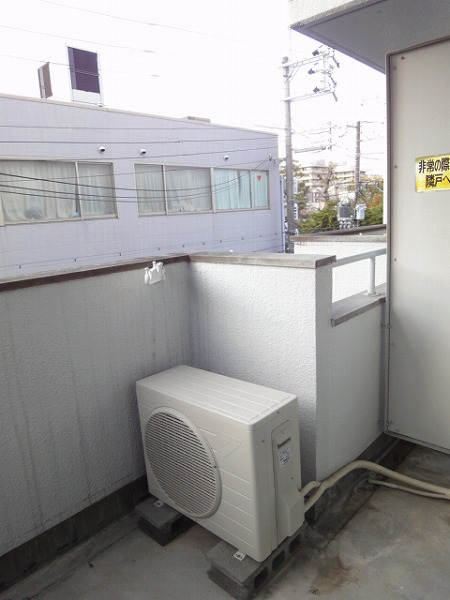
point(225, 453)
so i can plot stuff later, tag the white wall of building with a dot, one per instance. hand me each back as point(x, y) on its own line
point(419, 226)
point(38, 129)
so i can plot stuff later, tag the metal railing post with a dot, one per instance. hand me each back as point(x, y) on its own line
point(371, 257)
point(371, 287)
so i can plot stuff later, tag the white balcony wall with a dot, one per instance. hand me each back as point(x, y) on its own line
point(353, 278)
point(71, 353)
point(258, 323)
point(272, 325)
point(350, 389)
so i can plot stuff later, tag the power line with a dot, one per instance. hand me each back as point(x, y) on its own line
point(66, 37)
point(189, 125)
point(75, 193)
point(138, 251)
point(141, 140)
point(162, 155)
point(66, 65)
point(153, 24)
point(77, 177)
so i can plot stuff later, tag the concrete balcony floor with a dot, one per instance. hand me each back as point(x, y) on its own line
point(397, 546)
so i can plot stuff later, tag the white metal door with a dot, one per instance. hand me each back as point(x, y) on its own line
point(418, 405)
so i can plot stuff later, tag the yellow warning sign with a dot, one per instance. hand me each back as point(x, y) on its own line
point(433, 173)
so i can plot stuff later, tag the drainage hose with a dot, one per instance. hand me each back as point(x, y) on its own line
point(322, 487)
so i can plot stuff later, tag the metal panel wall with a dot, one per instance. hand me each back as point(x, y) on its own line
point(419, 342)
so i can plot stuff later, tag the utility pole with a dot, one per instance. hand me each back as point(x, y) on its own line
point(327, 86)
point(288, 142)
point(357, 161)
point(360, 207)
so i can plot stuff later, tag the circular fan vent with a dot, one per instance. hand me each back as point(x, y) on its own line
point(182, 463)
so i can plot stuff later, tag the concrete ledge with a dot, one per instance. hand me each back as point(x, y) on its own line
point(296, 261)
point(348, 308)
point(358, 233)
point(242, 579)
point(83, 272)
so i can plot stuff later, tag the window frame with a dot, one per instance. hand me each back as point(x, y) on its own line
point(137, 188)
point(78, 203)
point(214, 208)
point(167, 212)
point(221, 210)
point(177, 167)
point(252, 173)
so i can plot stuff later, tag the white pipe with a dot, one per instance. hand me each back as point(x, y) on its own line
point(394, 486)
point(365, 464)
point(371, 289)
point(308, 487)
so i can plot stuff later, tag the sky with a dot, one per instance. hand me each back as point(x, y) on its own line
point(221, 61)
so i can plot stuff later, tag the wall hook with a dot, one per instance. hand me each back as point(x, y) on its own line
point(155, 273)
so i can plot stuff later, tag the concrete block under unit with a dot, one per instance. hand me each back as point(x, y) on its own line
point(244, 578)
point(160, 521)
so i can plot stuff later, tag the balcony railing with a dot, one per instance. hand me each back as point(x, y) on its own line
point(371, 257)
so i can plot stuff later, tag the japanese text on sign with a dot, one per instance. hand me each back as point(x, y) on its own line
point(433, 173)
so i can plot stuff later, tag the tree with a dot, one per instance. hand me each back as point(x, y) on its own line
point(326, 218)
point(300, 198)
point(325, 181)
point(372, 196)
point(322, 220)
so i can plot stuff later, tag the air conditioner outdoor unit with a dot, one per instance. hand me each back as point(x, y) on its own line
point(225, 453)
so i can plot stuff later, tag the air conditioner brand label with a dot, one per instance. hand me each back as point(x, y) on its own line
point(284, 456)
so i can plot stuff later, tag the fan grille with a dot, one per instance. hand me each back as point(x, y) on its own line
point(182, 463)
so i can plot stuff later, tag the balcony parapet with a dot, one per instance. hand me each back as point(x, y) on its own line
point(83, 272)
point(299, 261)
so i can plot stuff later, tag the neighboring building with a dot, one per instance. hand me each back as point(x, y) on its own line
point(341, 184)
point(82, 184)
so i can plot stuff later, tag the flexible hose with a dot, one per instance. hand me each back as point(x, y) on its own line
point(308, 487)
point(394, 486)
point(365, 464)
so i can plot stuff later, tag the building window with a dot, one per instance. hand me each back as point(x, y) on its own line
point(231, 189)
point(96, 189)
point(176, 189)
point(173, 189)
point(39, 190)
point(188, 189)
point(260, 189)
point(150, 189)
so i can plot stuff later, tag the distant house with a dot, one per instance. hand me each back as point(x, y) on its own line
point(82, 184)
